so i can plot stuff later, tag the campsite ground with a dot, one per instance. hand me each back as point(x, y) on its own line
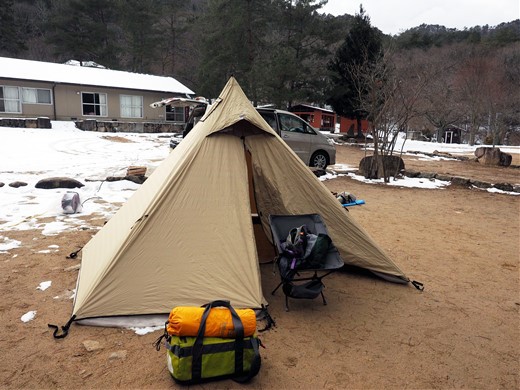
point(462, 331)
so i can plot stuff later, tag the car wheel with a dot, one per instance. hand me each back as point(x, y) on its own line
point(319, 160)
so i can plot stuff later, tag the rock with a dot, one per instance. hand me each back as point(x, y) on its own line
point(393, 165)
point(504, 186)
point(1, 184)
point(493, 156)
point(318, 172)
point(505, 159)
point(118, 355)
point(479, 152)
point(91, 345)
point(72, 268)
point(58, 182)
point(480, 184)
point(17, 184)
point(443, 177)
point(114, 178)
point(412, 173)
point(460, 181)
point(135, 179)
point(427, 175)
point(442, 154)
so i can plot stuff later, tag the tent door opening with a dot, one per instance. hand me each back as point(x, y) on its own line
point(265, 249)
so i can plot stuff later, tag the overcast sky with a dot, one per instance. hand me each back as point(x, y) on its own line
point(395, 16)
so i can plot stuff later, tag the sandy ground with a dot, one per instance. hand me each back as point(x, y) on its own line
point(462, 331)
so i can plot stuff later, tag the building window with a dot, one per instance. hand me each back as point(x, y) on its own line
point(175, 114)
point(36, 96)
point(94, 104)
point(10, 99)
point(131, 106)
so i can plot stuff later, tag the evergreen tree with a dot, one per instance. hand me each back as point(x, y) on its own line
point(294, 66)
point(362, 48)
point(232, 41)
point(141, 34)
point(86, 30)
point(11, 41)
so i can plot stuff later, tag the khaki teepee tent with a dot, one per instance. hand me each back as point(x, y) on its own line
point(186, 236)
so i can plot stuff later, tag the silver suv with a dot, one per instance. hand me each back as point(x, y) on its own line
point(314, 148)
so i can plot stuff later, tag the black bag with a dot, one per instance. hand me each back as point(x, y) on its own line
point(200, 359)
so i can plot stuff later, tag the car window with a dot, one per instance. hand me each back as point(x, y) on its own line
point(270, 118)
point(294, 124)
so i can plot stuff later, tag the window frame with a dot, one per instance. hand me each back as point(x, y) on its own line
point(37, 95)
point(131, 106)
point(100, 105)
point(172, 111)
point(18, 100)
point(285, 124)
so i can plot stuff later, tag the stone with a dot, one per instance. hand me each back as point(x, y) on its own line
point(58, 182)
point(460, 181)
point(412, 173)
point(118, 355)
point(135, 179)
point(114, 178)
point(318, 172)
point(92, 345)
point(17, 184)
point(480, 184)
point(493, 156)
point(393, 165)
point(443, 177)
point(44, 123)
point(427, 175)
point(504, 186)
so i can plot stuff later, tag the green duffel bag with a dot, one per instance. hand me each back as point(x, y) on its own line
point(199, 359)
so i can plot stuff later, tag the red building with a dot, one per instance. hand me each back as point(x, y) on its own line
point(349, 126)
point(317, 117)
point(326, 120)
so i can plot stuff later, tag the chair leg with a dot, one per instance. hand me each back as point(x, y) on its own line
point(277, 287)
point(323, 297)
point(286, 303)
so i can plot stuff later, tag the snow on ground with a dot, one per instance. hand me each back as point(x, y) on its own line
point(29, 155)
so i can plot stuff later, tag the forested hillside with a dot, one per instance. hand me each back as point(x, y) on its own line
point(280, 51)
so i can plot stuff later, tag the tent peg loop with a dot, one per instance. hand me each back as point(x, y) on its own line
point(64, 328)
point(418, 285)
point(74, 254)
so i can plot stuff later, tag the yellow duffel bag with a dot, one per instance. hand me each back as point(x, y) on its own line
point(185, 321)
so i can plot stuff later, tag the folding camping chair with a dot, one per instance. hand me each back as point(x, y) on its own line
point(292, 271)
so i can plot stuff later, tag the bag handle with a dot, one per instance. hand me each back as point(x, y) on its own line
point(196, 367)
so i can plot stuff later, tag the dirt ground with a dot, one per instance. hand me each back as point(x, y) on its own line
point(462, 331)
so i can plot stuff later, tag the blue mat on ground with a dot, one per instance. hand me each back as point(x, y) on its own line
point(358, 202)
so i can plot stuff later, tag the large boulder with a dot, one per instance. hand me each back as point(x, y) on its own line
point(58, 182)
point(493, 156)
point(393, 165)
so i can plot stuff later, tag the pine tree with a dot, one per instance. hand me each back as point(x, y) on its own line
point(139, 21)
point(86, 30)
point(362, 48)
point(11, 41)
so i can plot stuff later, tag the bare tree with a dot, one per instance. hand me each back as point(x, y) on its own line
point(390, 98)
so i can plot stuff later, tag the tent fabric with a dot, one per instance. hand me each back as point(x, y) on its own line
point(186, 236)
point(277, 195)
